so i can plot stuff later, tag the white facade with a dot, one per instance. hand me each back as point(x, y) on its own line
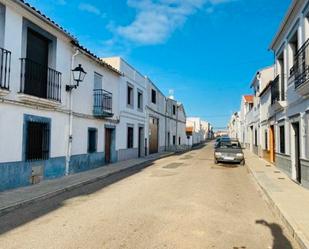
point(234, 129)
point(132, 109)
point(245, 107)
point(45, 129)
point(201, 130)
point(290, 106)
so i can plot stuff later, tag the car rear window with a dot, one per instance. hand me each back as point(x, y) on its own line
point(229, 144)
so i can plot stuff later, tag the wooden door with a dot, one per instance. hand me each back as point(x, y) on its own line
point(272, 144)
point(153, 136)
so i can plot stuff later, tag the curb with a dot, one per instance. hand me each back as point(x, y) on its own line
point(297, 235)
point(17, 205)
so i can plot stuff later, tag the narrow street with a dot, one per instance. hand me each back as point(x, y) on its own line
point(183, 201)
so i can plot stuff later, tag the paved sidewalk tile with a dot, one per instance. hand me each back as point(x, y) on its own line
point(289, 200)
point(12, 199)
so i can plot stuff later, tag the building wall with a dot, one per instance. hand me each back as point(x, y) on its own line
point(130, 115)
point(15, 171)
point(157, 111)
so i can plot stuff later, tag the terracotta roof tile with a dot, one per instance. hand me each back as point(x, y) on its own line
point(248, 98)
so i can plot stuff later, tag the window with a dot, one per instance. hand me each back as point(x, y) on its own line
point(174, 140)
point(266, 140)
point(98, 78)
point(179, 140)
point(130, 137)
point(92, 140)
point(140, 100)
point(174, 110)
point(282, 139)
point(37, 141)
point(153, 96)
point(130, 95)
point(255, 138)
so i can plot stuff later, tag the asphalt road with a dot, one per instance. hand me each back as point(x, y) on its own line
point(183, 201)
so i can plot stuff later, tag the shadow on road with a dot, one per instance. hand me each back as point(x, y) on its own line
point(36, 210)
point(280, 241)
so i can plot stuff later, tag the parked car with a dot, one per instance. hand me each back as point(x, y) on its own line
point(220, 139)
point(229, 150)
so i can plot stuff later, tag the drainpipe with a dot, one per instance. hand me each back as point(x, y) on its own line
point(70, 135)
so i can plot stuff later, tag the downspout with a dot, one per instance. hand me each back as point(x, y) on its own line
point(70, 135)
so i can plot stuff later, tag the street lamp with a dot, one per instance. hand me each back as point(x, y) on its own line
point(78, 76)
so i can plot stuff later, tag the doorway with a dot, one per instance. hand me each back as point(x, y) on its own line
point(272, 144)
point(108, 145)
point(297, 151)
point(36, 64)
point(140, 141)
point(153, 135)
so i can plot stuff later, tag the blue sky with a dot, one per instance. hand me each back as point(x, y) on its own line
point(207, 51)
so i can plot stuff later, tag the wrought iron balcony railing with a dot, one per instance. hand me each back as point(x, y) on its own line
point(275, 90)
point(102, 103)
point(5, 68)
point(40, 81)
point(301, 65)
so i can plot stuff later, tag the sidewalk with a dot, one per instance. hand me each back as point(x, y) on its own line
point(16, 198)
point(287, 199)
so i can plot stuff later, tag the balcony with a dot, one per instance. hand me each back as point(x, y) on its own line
point(5, 70)
point(277, 97)
point(102, 103)
point(301, 70)
point(40, 84)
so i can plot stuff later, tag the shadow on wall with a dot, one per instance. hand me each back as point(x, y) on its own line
point(280, 241)
point(34, 211)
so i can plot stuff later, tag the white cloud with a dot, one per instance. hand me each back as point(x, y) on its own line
point(91, 9)
point(156, 20)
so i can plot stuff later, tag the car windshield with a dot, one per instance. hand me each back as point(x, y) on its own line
point(229, 144)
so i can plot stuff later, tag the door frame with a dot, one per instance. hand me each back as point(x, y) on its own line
point(296, 150)
point(141, 140)
point(112, 130)
point(272, 144)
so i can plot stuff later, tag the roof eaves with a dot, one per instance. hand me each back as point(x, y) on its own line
point(283, 24)
point(45, 18)
point(96, 58)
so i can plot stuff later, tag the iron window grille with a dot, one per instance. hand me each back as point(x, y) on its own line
point(5, 68)
point(282, 139)
point(92, 140)
point(37, 141)
point(130, 137)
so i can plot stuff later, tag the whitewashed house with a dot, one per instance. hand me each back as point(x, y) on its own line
point(131, 138)
point(234, 126)
point(267, 139)
point(46, 131)
point(289, 110)
point(256, 134)
point(245, 107)
point(198, 131)
point(176, 138)
point(156, 116)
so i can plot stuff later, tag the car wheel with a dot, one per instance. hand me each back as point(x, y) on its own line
point(216, 161)
point(242, 162)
